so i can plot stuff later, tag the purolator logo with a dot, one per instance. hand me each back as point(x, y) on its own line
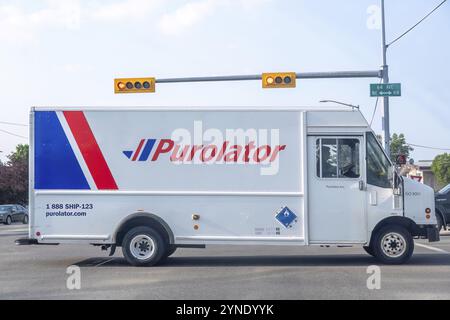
point(211, 146)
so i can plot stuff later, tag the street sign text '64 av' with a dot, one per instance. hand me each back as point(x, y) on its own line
point(385, 90)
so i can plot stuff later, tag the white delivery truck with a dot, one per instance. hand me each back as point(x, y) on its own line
point(151, 180)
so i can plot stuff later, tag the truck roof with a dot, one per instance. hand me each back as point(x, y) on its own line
point(191, 108)
point(318, 116)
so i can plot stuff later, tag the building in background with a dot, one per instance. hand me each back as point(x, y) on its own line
point(421, 172)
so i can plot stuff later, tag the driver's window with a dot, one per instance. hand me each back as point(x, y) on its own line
point(337, 158)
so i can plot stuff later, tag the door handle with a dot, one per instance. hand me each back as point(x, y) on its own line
point(361, 185)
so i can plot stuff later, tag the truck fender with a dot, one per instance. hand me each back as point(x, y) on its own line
point(139, 219)
point(407, 223)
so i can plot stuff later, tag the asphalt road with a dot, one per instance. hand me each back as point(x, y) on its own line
point(221, 272)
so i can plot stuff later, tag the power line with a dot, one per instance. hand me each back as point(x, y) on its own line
point(14, 124)
point(374, 111)
point(427, 147)
point(420, 21)
point(13, 134)
point(375, 108)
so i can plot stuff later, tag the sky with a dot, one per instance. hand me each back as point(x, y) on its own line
point(67, 53)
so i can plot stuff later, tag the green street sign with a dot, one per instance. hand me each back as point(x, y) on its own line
point(385, 89)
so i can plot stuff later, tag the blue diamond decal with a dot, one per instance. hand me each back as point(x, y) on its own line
point(286, 217)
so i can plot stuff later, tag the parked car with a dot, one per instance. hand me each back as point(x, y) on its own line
point(442, 199)
point(10, 213)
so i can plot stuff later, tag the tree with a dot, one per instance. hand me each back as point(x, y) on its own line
point(14, 177)
point(399, 146)
point(20, 155)
point(441, 168)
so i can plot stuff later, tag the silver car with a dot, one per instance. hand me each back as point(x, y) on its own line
point(10, 213)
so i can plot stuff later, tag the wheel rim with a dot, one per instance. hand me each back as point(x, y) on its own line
point(142, 247)
point(25, 219)
point(393, 244)
point(8, 220)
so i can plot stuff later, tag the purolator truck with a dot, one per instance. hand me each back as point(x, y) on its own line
point(152, 180)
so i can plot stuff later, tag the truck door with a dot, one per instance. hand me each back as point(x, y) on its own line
point(337, 200)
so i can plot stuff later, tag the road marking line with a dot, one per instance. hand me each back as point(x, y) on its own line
point(432, 248)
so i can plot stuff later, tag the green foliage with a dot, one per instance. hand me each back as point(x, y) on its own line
point(441, 168)
point(20, 155)
point(399, 146)
point(14, 177)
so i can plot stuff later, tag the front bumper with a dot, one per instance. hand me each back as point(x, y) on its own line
point(429, 232)
point(433, 234)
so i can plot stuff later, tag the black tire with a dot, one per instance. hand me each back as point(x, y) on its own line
point(393, 245)
point(8, 220)
point(138, 256)
point(25, 219)
point(440, 223)
point(170, 251)
point(369, 250)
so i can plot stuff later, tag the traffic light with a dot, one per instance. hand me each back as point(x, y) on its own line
point(134, 85)
point(401, 159)
point(279, 80)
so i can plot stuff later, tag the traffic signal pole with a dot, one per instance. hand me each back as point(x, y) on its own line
point(385, 79)
point(382, 73)
point(305, 75)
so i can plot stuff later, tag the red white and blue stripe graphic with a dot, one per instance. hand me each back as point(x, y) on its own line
point(92, 155)
point(67, 154)
point(142, 151)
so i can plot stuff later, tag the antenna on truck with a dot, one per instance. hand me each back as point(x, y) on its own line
point(341, 103)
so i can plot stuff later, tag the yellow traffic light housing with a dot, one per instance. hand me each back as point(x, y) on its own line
point(279, 80)
point(134, 85)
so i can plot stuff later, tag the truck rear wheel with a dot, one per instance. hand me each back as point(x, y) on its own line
point(393, 245)
point(369, 250)
point(170, 250)
point(143, 246)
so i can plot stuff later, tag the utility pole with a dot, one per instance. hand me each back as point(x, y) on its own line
point(385, 79)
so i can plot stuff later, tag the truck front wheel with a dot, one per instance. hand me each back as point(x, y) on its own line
point(393, 245)
point(143, 246)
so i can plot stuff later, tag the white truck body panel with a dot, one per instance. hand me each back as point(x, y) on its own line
point(93, 168)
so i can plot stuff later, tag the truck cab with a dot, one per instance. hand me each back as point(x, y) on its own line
point(354, 187)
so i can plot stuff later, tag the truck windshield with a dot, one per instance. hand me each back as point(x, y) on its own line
point(379, 169)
